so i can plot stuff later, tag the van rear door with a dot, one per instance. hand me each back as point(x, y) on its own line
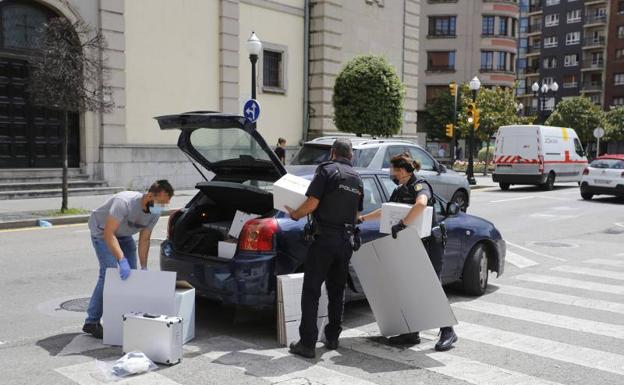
point(516, 150)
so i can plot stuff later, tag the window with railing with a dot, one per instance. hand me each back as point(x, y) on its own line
point(551, 41)
point(574, 16)
point(487, 60)
point(571, 60)
point(618, 79)
point(487, 25)
point(573, 38)
point(442, 26)
point(551, 20)
point(503, 22)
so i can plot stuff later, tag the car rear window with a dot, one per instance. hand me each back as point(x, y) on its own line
point(309, 154)
point(608, 163)
point(363, 157)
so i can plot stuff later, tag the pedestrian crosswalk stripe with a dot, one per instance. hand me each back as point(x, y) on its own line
point(591, 272)
point(88, 374)
point(564, 299)
point(572, 283)
point(578, 355)
point(536, 252)
point(605, 262)
point(518, 260)
point(543, 318)
point(448, 364)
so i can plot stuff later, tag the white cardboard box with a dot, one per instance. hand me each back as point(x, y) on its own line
point(226, 249)
point(240, 218)
point(392, 213)
point(185, 309)
point(289, 191)
point(143, 291)
point(401, 286)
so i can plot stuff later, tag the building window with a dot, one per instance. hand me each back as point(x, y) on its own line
point(273, 71)
point(487, 25)
point(621, 8)
point(573, 38)
point(618, 79)
point(619, 101)
point(550, 63)
point(620, 31)
point(570, 81)
point(574, 16)
point(487, 60)
point(433, 92)
point(501, 64)
point(443, 26)
point(571, 60)
point(551, 20)
point(441, 61)
point(619, 54)
point(502, 26)
point(514, 27)
point(550, 42)
point(552, 2)
point(21, 26)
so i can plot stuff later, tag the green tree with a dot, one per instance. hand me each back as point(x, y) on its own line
point(439, 114)
point(579, 113)
point(615, 124)
point(368, 97)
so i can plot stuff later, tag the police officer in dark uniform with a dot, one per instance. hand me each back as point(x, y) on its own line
point(335, 198)
point(416, 192)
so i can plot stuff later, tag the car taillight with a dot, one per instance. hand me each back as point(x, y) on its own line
point(257, 235)
point(586, 171)
point(173, 216)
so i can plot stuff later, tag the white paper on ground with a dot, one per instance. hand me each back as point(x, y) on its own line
point(240, 218)
point(392, 213)
point(143, 291)
point(185, 309)
point(226, 250)
point(289, 191)
point(401, 286)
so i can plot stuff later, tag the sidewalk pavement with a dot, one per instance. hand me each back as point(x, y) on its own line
point(18, 213)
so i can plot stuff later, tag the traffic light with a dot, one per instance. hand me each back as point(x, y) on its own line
point(449, 130)
point(473, 115)
point(476, 118)
point(453, 88)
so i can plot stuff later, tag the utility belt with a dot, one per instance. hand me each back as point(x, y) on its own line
point(347, 231)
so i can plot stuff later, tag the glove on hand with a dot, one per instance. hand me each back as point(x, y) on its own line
point(398, 227)
point(124, 268)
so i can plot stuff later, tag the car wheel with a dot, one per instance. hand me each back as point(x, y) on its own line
point(460, 198)
point(586, 194)
point(504, 186)
point(550, 182)
point(476, 274)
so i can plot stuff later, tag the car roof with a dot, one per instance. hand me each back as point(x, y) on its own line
point(611, 156)
point(357, 141)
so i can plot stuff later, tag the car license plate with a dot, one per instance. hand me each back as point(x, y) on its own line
point(602, 181)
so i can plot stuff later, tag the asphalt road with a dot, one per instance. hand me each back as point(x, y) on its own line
point(555, 317)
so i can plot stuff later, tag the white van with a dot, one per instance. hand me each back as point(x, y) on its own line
point(537, 155)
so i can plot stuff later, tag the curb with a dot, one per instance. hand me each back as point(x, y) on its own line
point(62, 220)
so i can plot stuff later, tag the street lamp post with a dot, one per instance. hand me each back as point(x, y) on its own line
point(475, 84)
point(254, 46)
point(541, 94)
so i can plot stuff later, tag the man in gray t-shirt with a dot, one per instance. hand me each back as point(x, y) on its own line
point(112, 226)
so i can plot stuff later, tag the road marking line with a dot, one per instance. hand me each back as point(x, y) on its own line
point(536, 252)
point(511, 199)
point(543, 318)
point(572, 283)
point(41, 228)
point(605, 262)
point(578, 355)
point(518, 260)
point(88, 374)
point(591, 272)
point(563, 299)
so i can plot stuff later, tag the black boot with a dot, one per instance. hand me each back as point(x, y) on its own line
point(408, 339)
point(331, 344)
point(302, 350)
point(447, 339)
point(95, 329)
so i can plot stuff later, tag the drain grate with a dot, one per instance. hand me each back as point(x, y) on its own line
point(79, 305)
point(553, 244)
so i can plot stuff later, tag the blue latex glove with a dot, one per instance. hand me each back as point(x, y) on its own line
point(124, 268)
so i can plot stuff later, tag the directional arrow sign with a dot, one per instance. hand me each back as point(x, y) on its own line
point(251, 110)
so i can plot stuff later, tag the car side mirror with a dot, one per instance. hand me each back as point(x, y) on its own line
point(441, 168)
point(452, 209)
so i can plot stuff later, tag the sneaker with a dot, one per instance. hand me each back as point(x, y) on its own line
point(447, 339)
point(301, 350)
point(405, 339)
point(95, 329)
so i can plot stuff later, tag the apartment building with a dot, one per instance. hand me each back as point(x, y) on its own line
point(461, 39)
point(574, 44)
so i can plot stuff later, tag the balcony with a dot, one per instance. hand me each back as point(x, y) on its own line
point(441, 68)
point(534, 49)
point(592, 86)
point(536, 8)
point(535, 28)
point(594, 42)
point(592, 20)
point(488, 69)
point(570, 84)
point(593, 65)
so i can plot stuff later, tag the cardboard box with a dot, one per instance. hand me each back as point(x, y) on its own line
point(185, 309)
point(227, 249)
point(401, 286)
point(392, 213)
point(289, 191)
point(240, 218)
point(143, 291)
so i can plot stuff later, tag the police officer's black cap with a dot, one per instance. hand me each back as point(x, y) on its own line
point(342, 147)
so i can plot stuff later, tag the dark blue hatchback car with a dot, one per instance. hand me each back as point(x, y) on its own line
point(244, 169)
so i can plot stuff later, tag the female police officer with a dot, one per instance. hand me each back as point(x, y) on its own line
point(416, 192)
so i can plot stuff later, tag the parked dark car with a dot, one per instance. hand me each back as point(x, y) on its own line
point(245, 169)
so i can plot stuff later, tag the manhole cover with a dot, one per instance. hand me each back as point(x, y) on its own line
point(553, 244)
point(78, 305)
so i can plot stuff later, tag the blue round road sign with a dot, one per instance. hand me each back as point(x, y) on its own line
point(251, 110)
